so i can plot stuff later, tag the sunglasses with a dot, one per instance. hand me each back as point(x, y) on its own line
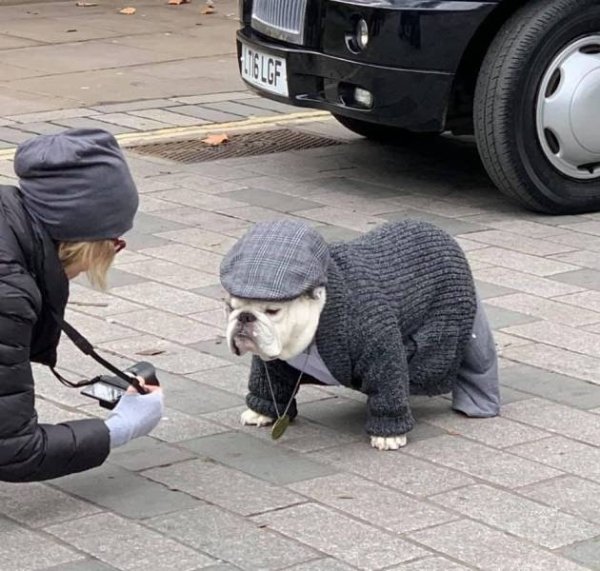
point(120, 244)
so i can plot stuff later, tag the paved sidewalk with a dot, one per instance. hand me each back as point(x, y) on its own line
point(516, 493)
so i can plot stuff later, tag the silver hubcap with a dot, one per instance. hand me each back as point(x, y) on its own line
point(568, 110)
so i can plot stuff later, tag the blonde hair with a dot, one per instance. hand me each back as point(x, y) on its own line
point(96, 257)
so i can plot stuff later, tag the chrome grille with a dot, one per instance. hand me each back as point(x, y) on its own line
point(280, 19)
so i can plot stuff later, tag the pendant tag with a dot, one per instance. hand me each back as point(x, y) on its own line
point(280, 427)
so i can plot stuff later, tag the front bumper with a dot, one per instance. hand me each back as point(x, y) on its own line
point(407, 67)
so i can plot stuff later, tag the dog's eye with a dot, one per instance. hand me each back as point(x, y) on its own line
point(272, 312)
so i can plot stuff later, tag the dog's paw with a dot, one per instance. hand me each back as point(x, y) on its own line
point(388, 442)
point(255, 419)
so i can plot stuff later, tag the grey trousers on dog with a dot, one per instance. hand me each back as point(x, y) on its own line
point(477, 392)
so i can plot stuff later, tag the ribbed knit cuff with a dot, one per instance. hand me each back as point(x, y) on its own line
point(389, 425)
point(267, 408)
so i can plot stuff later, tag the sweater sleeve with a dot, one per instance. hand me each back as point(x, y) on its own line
point(383, 371)
point(30, 451)
point(283, 379)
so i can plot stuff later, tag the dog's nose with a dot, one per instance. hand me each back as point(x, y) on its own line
point(246, 317)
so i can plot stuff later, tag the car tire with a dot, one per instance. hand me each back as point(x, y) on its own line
point(536, 109)
point(381, 133)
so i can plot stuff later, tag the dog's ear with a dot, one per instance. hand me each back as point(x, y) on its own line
point(318, 293)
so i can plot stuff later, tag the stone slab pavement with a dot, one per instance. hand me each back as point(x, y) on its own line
point(520, 492)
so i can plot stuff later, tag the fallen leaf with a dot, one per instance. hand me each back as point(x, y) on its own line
point(178, 2)
point(129, 11)
point(150, 352)
point(207, 10)
point(85, 4)
point(71, 30)
point(216, 140)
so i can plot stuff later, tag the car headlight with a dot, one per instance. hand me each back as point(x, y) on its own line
point(361, 34)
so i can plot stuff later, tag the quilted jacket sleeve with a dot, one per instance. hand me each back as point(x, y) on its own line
point(283, 378)
point(30, 451)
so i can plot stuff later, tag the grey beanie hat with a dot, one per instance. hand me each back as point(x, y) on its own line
point(276, 260)
point(77, 184)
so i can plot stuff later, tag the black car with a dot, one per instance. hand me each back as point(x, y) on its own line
point(523, 76)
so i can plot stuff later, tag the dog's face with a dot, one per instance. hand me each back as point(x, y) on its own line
point(274, 330)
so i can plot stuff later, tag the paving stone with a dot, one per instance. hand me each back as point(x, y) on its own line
point(302, 436)
point(43, 128)
point(50, 389)
point(154, 224)
point(585, 299)
point(177, 426)
point(170, 357)
point(167, 298)
point(222, 486)
point(168, 117)
point(150, 205)
point(187, 256)
point(136, 105)
point(211, 97)
point(497, 432)
point(198, 238)
point(205, 219)
point(583, 258)
point(270, 105)
point(341, 414)
point(451, 225)
point(38, 505)
point(127, 545)
point(570, 494)
point(533, 246)
point(486, 290)
point(557, 360)
point(526, 263)
point(93, 302)
point(232, 378)
point(209, 115)
point(569, 338)
point(93, 122)
point(215, 318)
point(137, 241)
point(271, 199)
point(218, 348)
point(196, 180)
point(25, 550)
point(215, 291)
point(489, 549)
point(118, 278)
point(371, 502)
point(168, 326)
point(556, 418)
point(231, 538)
point(237, 108)
point(170, 273)
point(587, 279)
point(567, 455)
point(196, 397)
point(14, 136)
point(194, 198)
point(395, 470)
point(123, 492)
point(355, 543)
point(587, 553)
point(337, 233)
point(252, 456)
point(518, 516)
point(97, 330)
point(527, 283)
point(546, 309)
point(480, 461)
point(144, 453)
point(526, 228)
point(341, 217)
point(431, 564)
point(322, 565)
point(256, 214)
point(500, 318)
point(44, 116)
point(552, 386)
point(82, 565)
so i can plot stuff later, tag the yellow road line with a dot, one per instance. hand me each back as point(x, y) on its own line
point(128, 139)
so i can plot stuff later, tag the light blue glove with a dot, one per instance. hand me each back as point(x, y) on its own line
point(136, 415)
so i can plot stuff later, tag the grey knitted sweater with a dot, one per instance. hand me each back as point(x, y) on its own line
point(399, 313)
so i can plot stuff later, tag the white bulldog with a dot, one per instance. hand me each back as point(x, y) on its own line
point(281, 330)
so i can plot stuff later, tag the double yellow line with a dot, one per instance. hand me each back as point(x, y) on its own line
point(138, 138)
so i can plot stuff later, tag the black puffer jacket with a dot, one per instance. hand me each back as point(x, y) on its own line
point(33, 286)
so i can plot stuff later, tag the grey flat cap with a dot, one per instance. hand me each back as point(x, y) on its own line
point(276, 260)
point(77, 184)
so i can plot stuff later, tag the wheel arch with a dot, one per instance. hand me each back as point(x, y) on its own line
point(460, 106)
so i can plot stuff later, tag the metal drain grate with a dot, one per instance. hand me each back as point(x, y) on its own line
point(241, 145)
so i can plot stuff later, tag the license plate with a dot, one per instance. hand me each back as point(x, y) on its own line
point(264, 70)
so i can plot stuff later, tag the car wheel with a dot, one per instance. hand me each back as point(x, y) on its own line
point(537, 107)
point(381, 133)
